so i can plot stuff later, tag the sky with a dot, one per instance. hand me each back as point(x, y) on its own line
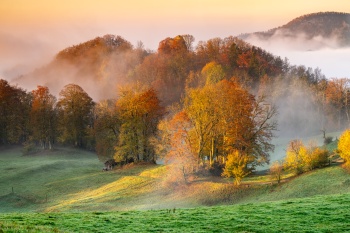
point(32, 32)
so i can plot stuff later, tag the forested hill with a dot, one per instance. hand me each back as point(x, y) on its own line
point(98, 65)
point(328, 25)
point(103, 64)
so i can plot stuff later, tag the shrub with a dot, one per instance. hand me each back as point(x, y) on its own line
point(29, 148)
point(327, 140)
point(300, 158)
point(320, 158)
point(276, 170)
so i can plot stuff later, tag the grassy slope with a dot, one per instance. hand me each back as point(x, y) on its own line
point(73, 182)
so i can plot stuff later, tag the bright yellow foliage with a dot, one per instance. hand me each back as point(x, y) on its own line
point(236, 166)
point(300, 158)
point(293, 160)
point(344, 146)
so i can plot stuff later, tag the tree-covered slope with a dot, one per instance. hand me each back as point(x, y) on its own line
point(327, 25)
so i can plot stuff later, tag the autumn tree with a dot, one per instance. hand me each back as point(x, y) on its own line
point(181, 156)
point(301, 158)
point(294, 156)
point(236, 166)
point(75, 115)
point(201, 112)
point(276, 170)
point(213, 73)
point(140, 112)
point(226, 119)
point(43, 117)
point(338, 95)
point(343, 146)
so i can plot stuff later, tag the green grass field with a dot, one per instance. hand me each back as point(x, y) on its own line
point(317, 214)
point(66, 191)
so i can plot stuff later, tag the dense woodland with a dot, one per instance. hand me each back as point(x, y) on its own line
point(218, 104)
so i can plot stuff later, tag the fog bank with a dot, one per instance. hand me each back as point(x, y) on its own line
point(324, 53)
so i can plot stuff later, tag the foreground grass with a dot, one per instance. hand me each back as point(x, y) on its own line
point(318, 214)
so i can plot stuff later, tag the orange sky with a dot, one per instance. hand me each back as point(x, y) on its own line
point(158, 18)
point(38, 29)
point(159, 13)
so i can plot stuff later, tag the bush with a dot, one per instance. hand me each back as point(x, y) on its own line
point(276, 170)
point(29, 148)
point(320, 158)
point(328, 140)
point(301, 158)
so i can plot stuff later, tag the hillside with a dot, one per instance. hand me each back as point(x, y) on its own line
point(71, 180)
point(66, 191)
point(328, 27)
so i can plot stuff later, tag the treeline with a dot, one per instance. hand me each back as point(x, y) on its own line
point(212, 106)
point(38, 119)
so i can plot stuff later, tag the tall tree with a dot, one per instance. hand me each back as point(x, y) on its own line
point(107, 128)
point(14, 113)
point(226, 118)
point(75, 115)
point(181, 156)
point(43, 117)
point(140, 112)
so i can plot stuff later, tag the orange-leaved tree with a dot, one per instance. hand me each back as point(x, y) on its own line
point(139, 111)
point(181, 156)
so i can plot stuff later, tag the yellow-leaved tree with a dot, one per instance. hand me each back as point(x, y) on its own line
point(294, 156)
point(236, 166)
point(344, 147)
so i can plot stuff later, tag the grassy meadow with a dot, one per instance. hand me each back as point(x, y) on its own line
point(317, 214)
point(65, 190)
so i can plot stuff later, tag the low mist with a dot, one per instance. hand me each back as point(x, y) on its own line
point(324, 53)
point(20, 54)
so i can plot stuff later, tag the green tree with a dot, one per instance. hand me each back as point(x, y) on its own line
point(75, 115)
point(107, 128)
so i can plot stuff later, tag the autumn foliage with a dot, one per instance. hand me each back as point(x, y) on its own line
point(344, 147)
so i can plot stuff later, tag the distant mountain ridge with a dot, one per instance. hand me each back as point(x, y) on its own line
point(328, 25)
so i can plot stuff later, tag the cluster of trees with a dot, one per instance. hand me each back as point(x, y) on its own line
point(219, 124)
point(301, 158)
point(126, 128)
point(212, 105)
point(38, 118)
